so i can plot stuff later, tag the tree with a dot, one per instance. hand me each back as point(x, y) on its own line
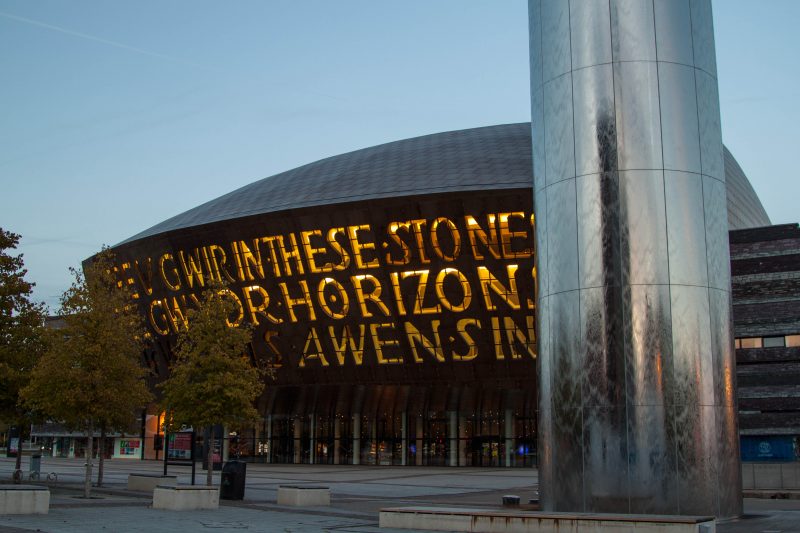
point(90, 377)
point(21, 340)
point(212, 380)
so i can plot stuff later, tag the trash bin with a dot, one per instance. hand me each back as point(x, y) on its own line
point(231, 485)
point(36, 466)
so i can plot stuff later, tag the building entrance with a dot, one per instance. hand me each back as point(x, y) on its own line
point(396, 425)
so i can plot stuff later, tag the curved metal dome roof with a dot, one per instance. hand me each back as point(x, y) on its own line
point(744, 207)
point(492, 157)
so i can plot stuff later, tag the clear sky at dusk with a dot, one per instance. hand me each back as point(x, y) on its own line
point(115, 115)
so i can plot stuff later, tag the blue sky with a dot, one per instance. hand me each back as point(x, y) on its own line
point(115, 115)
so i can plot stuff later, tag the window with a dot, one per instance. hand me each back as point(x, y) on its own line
point(751, 342)
point(737, 343)
point(773, 342)
point(792, 340)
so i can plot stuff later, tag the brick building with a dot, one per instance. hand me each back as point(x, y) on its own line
point(765, 275)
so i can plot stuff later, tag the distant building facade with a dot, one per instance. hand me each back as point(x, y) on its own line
point(765, 275)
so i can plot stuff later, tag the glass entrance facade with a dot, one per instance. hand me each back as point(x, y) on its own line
point(395, 425)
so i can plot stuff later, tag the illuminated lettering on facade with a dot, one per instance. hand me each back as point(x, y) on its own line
point(418, 291)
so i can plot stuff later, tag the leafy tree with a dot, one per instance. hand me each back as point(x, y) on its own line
point(21, 341)
point(91, 377)
point(212, 380)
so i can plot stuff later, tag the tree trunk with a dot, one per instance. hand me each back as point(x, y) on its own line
point(87, 480)
point(210, 458)
point(101, 456)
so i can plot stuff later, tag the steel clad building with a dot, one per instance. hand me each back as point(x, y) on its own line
point(393, 291)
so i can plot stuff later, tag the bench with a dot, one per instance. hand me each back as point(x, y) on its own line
point(24, 499)
point(488, 520)
point(186, 498)
point(303, 495)
point(148, 482)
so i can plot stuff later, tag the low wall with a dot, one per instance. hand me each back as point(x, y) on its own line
point(187, 498)
point(24, 499)
point(148, 482)
point(771, 476)
point(301, 496)
point(490, 521)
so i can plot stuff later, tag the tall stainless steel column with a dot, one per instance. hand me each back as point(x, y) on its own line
point(637, 395)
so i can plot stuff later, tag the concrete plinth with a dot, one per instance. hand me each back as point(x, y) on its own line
point(185, 498)
point(490, 521)
point(24, 499)
point(300, 496)
point(148, 482)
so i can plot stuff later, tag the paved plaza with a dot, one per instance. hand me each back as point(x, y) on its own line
point(358, 492)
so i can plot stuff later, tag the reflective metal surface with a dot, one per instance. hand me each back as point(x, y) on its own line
point(545, 440)
point(567, 369)
point(602, 347)
point(653, 470)
point(555, 39)
point(673, 18)
point(638, 116)
point(542, 278)
point(637, 399)
point(723, 357)
point(591, 42)
point(559, 145)
point(679, 131)
point(709, 123)
point(562, 244)
point(535, 42)
point(632, 30)
point(595, 128)
point(538, 142)
point(598, 230)
point(686, 234)
point(649, 360)
point(719, 264)
point(705, 55)
point(691, 347)
point(643, 227)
